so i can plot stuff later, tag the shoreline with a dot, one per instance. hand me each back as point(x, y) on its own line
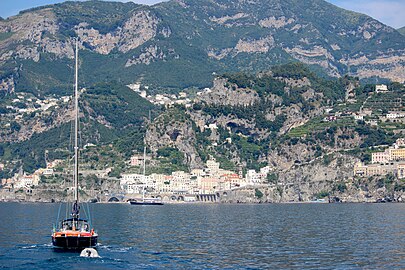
point(205, 203)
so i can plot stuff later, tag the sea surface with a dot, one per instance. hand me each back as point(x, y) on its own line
point(190, 236)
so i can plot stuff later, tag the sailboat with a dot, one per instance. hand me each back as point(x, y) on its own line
point(74, 232)
point(146, 201)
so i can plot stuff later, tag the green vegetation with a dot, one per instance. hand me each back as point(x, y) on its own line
point(374, 136)
point(114, 119)
point(272, 178)
point(318, 124)
point(32, 152)
point(340, 187)
point(123, 109)
point(400, 186)
point(186, 62)
point(387, 182)
point(45, 77)
point(258, 193)
point(385, 102)
point(170, 160)
point(134, 141)
point(5, 35)
point(117, 104)
point(103, 16)
point(115, 116)
point(322, 194)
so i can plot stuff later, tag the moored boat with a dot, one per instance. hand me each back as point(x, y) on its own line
point(147, 201)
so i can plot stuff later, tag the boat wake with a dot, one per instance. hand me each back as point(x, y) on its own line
point(36, 246)
point(89, 252)
point(115, 248)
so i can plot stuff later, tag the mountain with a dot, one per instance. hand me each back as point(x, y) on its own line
point(32, 126)
point(401, 31)
point(301, 125)
point(180, 43)
point(289, 119)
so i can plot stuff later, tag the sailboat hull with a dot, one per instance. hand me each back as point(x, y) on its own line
point(145, 203)
point(74, 242)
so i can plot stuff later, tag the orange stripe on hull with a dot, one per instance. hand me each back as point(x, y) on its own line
point(72, 233)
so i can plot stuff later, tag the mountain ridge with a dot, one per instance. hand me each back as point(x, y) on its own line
point(401, 30)
point(186, 41)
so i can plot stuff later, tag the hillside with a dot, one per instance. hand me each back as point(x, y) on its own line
point(401, 31)
point(31, 126)
point(180, 43)
point(299, 124)
point(302, 126)
point(247, 120)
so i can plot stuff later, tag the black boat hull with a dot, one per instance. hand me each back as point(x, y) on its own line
point(74, 242)
point(145, 203)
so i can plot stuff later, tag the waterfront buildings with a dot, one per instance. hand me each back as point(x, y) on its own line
point(394, 153)
point(209, 180)
point(26, 181)
point(396, 168)
point(390, 161)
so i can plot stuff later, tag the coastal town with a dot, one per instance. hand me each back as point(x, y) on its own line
point(384, 159)
point(390, 161)
point(209, 180)
point(217, 134)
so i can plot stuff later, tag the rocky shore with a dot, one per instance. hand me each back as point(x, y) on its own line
point(247, 195)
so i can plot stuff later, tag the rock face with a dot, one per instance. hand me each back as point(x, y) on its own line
point(176, 132)
point(222, 94)
point(42, 122)
point(137, 30)
point(209, 36)
point(7, 85)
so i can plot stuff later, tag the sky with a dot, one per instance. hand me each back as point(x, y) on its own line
point(390, 12)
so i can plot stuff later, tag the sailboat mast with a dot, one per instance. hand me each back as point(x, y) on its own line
point(144, 173)
point(76, 169)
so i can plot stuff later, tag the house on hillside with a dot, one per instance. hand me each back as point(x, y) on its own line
point(381, 88)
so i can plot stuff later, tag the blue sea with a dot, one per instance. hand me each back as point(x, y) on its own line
point(191, 236)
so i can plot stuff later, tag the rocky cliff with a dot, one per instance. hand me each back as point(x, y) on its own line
point(184, 41)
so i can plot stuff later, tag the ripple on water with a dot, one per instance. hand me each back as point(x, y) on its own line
point(346, 236)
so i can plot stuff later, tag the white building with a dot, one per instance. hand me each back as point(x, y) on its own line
point(399, 142)
point(381, 88)
point(27, 181)
point(137, 160)
point(47, 172)
point(130, 179)
point(265, 170)
point(395, 115)
point(135, 87)
point(212, 167)
point(380, 157)
point(197, 172)
point(252, 177)
point(359, 117)
point(134, 188)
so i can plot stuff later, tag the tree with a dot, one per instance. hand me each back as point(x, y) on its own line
point(14, 126)
point(258, 193)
